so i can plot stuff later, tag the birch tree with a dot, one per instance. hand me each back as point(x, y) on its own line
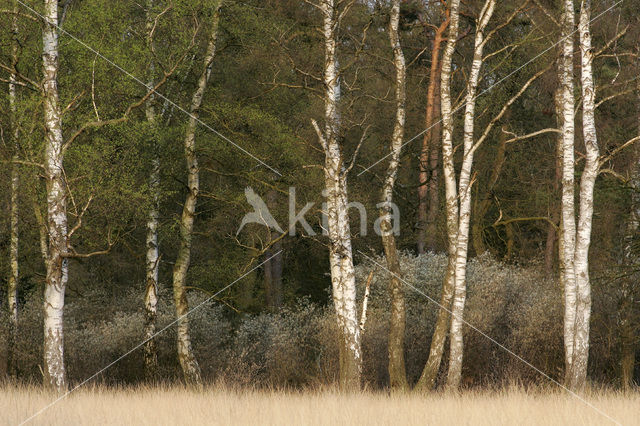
point(397, 372)
point(464, 190)
point(152, 257)
point(188, 361)
point(12, 282)
point(574, 247)
point(335, 176)
point(568, 210)
point(57, 263)
point(458, 196)
point(580, 355)
point(428, 378)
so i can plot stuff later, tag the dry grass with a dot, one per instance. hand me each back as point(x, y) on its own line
point(165, 406)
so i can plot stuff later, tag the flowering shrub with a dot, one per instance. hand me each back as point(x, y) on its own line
point(298, 346)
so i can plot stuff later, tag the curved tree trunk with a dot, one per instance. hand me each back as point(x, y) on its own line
point(454, 375)
point(430, 372)
point(152, 258)
point(188, 362)
point(397, 372)
point(57, 264)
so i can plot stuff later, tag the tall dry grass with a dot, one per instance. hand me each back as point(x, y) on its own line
point(223, 406)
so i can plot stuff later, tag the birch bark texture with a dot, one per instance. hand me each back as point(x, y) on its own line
point(574, 253)
point(152, 255)
point(587, 183)
point(427, 379)
point(13, 279)
point(335, 174)
point(57, 263)
point(397, 371)
point(188, 361)
point(568, 193)
point(454, 374)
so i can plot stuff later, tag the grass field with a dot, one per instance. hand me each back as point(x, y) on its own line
point(165, 406)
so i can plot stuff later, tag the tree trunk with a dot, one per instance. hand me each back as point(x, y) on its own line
point(12, 282)
point(434, 178)
point(552, 231)
point(587, 183)
point(397, 372)
point(428, 186)
point(57, 263)
point(568, 192)
point(273, 265)
point(152, 260)
point(429, 374)
point(454, 375)
point(335, 174)
point(188, 362)
point(273, 277)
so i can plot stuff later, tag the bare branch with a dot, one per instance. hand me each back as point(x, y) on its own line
point(321, 139)
point(529, 135)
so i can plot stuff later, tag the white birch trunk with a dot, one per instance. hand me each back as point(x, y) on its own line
point(57, 264)
point(464, 190)
point(188, 362)
point(340, 251)
point(568, 192)
point(12, 282)
point(397, 371)
point(429, 374)
point(587, 183)
point(152, 258)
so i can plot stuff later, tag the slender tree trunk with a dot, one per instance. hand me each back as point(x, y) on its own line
point(188, 362)
point(273, 277)
point(340, 250)
point(273, 266)
point(57, 263)
point(428, 186)
point(552, 231)
point(464, 190)
point(429, 374)
point(12, 282)
point(397, 372)
point(568, 193)
point(152, 258)
point(587, 183)
point(434, 178)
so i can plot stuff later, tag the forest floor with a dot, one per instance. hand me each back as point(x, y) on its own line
point(165, 406)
